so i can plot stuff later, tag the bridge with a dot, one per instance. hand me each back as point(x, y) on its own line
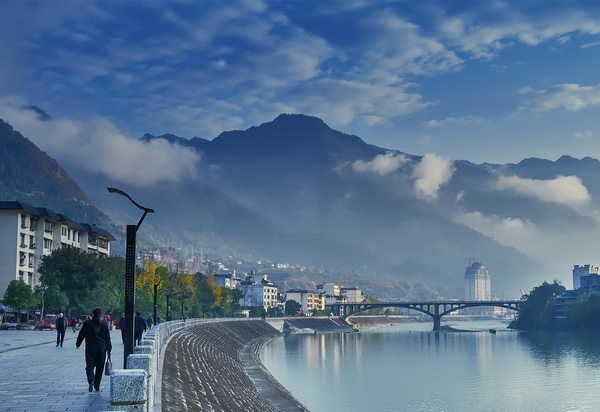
point(436, 309)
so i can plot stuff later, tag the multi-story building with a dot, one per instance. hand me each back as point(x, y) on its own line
point(477, 287)
point(28, 233)
point(477, 282)
point(329, 289)
point(585, 275)
point(259, 294)
point(351, 295)
point(307, 299)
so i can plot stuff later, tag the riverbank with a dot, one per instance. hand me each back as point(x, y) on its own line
point(216, 366)
point(371, 322)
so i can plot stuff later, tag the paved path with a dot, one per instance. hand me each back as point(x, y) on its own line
point(35, 375)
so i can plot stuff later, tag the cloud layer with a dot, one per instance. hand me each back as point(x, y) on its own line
point(430, 174)
point(567, 190)
point(98, 146)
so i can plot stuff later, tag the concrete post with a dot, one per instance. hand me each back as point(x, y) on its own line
point(129, 390)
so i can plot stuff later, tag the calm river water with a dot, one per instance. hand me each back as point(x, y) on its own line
point(409, 368)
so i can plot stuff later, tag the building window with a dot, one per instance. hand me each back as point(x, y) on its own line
point(33, 224)
point(22, 236)
point(30, 276)
point(47, 244)
point(63, 230)
point(23, 221)
point(21, 275)
point(47, 226)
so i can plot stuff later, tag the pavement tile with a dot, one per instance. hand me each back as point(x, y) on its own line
point(38, 376)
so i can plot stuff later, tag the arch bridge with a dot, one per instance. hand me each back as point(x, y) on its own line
point(436, 309)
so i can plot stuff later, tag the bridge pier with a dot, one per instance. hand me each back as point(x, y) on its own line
point(437, 322)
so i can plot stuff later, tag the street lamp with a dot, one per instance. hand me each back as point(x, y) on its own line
point(130, 275)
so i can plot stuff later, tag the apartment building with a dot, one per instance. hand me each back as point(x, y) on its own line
point(307, 299)
point(28, 233)
point(259, 294)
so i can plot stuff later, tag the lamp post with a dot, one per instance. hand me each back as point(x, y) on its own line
point(130, 275)
point(156, 285)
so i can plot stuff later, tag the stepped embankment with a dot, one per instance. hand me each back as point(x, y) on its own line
point(216, 367)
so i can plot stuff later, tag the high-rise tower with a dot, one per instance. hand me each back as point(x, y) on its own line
point(478, 282)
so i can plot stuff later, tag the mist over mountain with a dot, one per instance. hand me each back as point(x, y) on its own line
point(29, 175)
point(294, 190)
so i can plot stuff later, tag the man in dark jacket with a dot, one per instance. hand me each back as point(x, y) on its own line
point(97, 344)
point(140, 327)
point(61, 328)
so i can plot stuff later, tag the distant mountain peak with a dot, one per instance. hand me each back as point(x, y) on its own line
point(42, 115)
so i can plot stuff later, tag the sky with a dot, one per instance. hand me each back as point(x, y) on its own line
point(483, 81)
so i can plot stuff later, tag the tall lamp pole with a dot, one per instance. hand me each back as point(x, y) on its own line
point(130, 275)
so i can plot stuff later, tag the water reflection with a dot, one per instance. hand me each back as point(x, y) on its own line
point(427, 371)
point(555, 347)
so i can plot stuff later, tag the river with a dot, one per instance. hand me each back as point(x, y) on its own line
point(407, 367)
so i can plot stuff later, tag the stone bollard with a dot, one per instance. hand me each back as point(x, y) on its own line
point(145, 362)
point(129, 390)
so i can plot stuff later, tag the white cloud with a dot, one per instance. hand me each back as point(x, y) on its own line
point(508, 231)
point(572, 97)
point(98, 146)
point(567, 190)
point(463, 120)
point(381, 164)
point(592, 44)
point(431, 173)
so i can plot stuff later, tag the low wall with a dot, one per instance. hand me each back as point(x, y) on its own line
point(210, 362)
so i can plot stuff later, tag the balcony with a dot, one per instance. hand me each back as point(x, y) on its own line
point(23, 245)
point(32, 246)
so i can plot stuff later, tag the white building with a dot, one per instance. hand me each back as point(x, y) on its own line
point(259, 294)
point(226, 278)
point(329, 289)
point(351, 295)
point(583, 273)
point(28, 233)
point(477, 283)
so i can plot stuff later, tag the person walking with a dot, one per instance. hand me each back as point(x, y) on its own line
point(140, 327)
point(73, 324)
point(61, 328)
point(96, 334)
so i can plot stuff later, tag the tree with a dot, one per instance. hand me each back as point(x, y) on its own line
point(292, 308)
point(586, 313)
point(19, 296)
point(533, 312)
point(74, 272)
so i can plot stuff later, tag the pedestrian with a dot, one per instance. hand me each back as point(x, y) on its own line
point(149, 321)
point(97, 344)
point(140, 327)
point(73, 324)
point(122, 327)
point(61, 328)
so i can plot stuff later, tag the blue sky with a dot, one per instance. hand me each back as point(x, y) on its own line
point(478, 80)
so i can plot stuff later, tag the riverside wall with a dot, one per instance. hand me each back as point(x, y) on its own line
point(209, 364)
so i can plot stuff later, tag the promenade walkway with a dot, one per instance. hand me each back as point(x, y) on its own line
point(35, 375)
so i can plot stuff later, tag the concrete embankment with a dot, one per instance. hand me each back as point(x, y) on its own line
point(215, 366)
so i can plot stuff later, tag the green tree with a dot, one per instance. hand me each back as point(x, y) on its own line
point(292, 308)
point(534, 314)
point(74, 272)
point(55, 300)
point(19, 296)
point(586, 313)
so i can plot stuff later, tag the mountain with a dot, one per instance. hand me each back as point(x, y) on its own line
point(300, 173)
point(293, 190)
point(29, 175)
